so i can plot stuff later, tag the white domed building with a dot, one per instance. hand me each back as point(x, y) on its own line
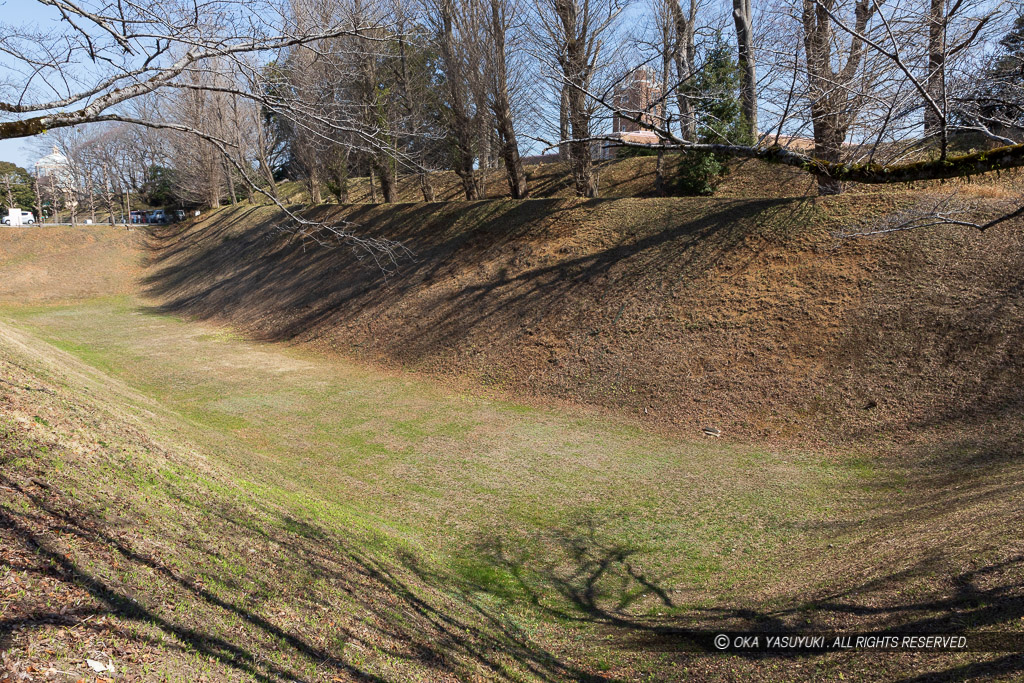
point(55, 184)
point(53, 165)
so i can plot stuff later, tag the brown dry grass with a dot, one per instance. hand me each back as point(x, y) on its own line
point(45, 264)
point(747, 314)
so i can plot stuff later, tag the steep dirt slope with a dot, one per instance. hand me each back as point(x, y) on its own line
point(39, 264)
point(747, 314)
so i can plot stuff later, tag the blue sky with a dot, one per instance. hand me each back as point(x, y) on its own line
point(11, 150)
point(13, 15)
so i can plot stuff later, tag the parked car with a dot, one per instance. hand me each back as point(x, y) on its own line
point(26, 218)
point(158, 216)
point(178, 216)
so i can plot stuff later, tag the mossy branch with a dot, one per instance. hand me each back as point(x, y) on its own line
point(962, 166)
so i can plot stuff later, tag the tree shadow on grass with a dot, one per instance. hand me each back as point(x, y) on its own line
point(584, 577)
point(434, 622)
point(384, 611)
point(31, 529)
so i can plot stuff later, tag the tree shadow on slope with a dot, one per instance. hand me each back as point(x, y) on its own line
point(493, 266)
point(930, 340)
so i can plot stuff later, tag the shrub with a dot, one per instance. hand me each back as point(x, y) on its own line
point(698, 174)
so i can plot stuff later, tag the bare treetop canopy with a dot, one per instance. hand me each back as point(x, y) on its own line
point(234, 95)
point(72, 62)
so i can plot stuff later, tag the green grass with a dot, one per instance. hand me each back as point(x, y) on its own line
point(402, 464)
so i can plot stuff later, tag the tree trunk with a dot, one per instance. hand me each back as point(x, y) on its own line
point(109, 195)
point(514, 171)
point(460, 122)
point(502, 108)
point(341, 180)
point(39, 200)
point(564, 151)
point(828, 146)
point(213, 170)
point(832, 109)
point(684, 54)
point(240, 160)
point(580, 158)
point(576, 71)
point(666, 73)
point(315, 193)
point(659, 174)
point(231, 183)
point(468, 179)
point(935, 82)
point(743, 18)
point(426, 188)
point(268, 173)
point(387, 183)
point(250, 194)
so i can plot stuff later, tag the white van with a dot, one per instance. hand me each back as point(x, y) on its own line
point(26, 218)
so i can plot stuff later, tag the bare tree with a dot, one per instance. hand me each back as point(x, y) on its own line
point(571, 35)
point(835, 98)
point(935, 79)
point(497, 75)
point(201, 176)
point(564, 130)
point(684, 54)
point(321, 90)
point(90, 59)
point(9, 181)
point(458, 67)
point(137, 41)
point(421, 143)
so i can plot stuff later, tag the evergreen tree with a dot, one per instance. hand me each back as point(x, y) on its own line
point(719, 115)
point(997, 101)
point(158, 188)
point(16, 185)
